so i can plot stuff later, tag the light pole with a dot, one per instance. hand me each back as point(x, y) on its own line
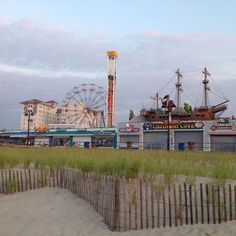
point(168, 129)
point(168, 105)
point(169, 110)
point(29, 113)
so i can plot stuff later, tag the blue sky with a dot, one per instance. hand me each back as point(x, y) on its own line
point(127, 15)
point(47, 47)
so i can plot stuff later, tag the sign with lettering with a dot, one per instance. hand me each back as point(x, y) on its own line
point(129, 129)
point(223, 127)
point(180, 125)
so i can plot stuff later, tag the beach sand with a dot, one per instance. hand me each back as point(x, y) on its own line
point(52, 211)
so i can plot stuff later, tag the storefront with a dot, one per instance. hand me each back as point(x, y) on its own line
point(130, 135)
point(184, 135)
point(220, 135)
point(78, 138)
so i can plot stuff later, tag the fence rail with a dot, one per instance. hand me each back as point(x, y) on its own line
point(131, 203)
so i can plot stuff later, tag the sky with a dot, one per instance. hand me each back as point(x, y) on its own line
point(48, 47)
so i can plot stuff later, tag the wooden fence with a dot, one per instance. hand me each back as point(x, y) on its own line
point(131, 203)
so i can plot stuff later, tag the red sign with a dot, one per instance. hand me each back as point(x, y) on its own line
point(130, 129)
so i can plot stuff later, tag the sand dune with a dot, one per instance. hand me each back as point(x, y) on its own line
point(57, 212)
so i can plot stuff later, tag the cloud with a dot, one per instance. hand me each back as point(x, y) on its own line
point(153, 34)
point(27, 45)
point(47, 73)
point(46, 62)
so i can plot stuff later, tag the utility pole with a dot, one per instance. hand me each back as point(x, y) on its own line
point(29, 113)
point(168, 130)
point(206, 88)
point(168, 105)
point(178, 88)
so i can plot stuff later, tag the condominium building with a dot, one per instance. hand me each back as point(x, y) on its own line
point(39, 112)
point(74, 113)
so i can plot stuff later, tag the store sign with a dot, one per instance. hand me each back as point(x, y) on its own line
point(223, 127)
point(129, 129)
point(180, 125)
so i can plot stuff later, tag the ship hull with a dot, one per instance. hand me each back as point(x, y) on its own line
point(197, 114)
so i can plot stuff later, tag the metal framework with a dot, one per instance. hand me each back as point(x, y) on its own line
point(111, 94)
point(84, 106)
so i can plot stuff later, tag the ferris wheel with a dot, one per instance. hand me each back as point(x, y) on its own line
point(84, 106)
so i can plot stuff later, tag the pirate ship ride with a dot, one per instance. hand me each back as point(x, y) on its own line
point(178, 113)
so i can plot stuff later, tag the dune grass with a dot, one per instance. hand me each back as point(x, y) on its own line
point(129, 163)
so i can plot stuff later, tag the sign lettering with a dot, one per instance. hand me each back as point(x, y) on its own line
point(181, 125)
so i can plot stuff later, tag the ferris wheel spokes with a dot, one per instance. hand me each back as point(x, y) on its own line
point(85, 105)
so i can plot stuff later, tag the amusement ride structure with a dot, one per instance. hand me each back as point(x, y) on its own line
point(84, 106)
point(178, 113)
point(111, 93)
point(87, 105)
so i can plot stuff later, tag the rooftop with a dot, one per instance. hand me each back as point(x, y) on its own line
point(50, 103)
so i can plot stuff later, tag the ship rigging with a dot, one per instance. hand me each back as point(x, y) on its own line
point(204, 112)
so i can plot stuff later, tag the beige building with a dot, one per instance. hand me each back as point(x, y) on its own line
point(41, 113)
point(75, 113)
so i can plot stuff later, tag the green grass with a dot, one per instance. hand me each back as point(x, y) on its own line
point(126, 162)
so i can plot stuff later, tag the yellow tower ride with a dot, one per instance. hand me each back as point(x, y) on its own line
point(112, 58)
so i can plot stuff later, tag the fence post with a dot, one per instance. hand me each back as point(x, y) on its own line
point(190, 204)
point(196, 204)
point(164, 206)
point(116, 215)
point(202, 209)
point(230, 203)
point(141, 203)
point(225, 211)
point(130, 203)
point(146, 204)
point(208, 208)
point(30, 183)
point(152, 205)
point(186, 203)
point(234, 202)
point(180, 205)
point(135, 203)
point(169, 201)
point(158, 195)
point(34, 181)
point(18, 181)
point(1, 187)
point(9, 181)
point(175, 205)
point(213, 204)
point(21, 180)
point(218, 201)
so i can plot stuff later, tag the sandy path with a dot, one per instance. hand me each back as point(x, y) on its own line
point(50, 212)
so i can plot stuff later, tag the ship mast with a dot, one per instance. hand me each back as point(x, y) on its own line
point(206, 87)
point(178, 88)
point(156, 98)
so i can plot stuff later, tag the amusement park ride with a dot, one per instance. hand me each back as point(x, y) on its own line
point(112, 55)
point(178, 113)
point(87, 105)
point(84, 106)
